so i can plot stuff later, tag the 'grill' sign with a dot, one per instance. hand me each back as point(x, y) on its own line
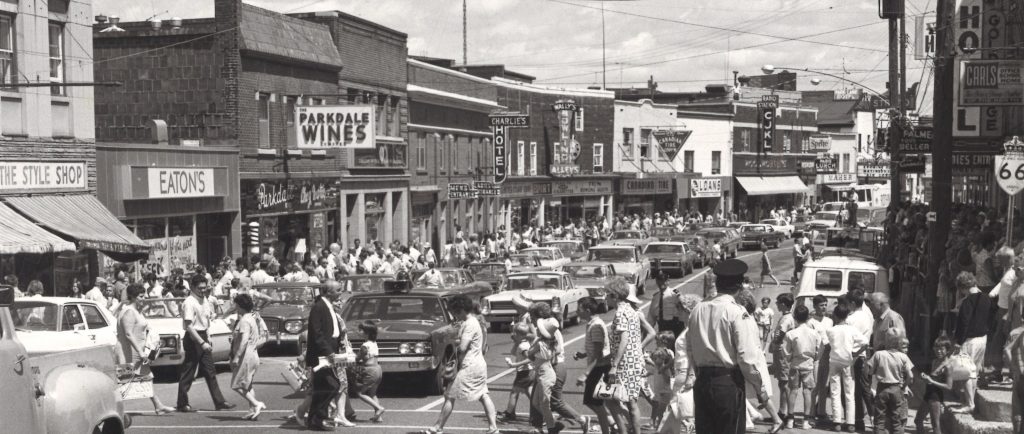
point(344, 126)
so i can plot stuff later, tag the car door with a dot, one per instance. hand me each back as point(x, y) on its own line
point(220, 336)
point(19, 410)
point(100, 327)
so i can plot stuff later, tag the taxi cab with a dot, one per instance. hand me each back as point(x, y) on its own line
point(417, 334)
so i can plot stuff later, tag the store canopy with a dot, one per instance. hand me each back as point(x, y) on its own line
point(85, 220)
point(18, 235)
point(762, 185)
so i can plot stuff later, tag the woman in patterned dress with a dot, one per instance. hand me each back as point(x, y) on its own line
point(627, 349)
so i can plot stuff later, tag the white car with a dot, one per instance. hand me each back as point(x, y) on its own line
point(553, 287)
point(550, 257)
point(627, 260)
point(53, 324)
point(780, 226)
point(164, 315)
point(822, 220)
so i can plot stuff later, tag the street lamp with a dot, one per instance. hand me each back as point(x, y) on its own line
point(769, 69)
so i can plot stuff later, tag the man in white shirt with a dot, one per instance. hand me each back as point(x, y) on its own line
point(196, 313)
point(98, 293)
point(863, 321)
point(260, 276)
point(846, 342)
point(431, 277)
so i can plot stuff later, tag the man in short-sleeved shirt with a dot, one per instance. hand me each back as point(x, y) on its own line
point(196, 313)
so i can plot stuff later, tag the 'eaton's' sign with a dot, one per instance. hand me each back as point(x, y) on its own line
point(344, 126)
point(166, 183)
point(38, 175)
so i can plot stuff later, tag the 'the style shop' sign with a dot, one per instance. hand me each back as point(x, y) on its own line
point(40, 175)
point(342, 126)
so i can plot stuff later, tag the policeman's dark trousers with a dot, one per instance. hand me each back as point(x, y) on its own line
point(197, 359)
point(890, 409)
point(326, 387)
point(558, 404)
point(863, 406)
point(718, 401)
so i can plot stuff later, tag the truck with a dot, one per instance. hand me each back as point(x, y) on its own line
point(73, 391)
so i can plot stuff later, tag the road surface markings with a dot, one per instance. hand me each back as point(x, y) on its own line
point(413, 428)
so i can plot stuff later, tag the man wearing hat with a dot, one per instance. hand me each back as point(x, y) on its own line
point(662, 312)
point(724, 347)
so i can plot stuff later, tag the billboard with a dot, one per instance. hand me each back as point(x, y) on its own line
point(340, 126)
point(991, 83)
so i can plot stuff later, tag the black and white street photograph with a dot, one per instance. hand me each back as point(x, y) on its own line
point(512, 216)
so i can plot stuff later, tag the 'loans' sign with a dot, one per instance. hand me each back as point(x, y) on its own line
point(344, 126)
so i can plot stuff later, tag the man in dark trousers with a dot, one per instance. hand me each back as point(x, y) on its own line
point(323, 334)
point(724, 345)
point(196, 313)
point(851, 209)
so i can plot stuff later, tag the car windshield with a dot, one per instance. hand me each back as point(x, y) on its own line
point(664, 248)
point(155, 308)
point(770, 222)
point(753, 229)
point(293, 295)
point(487, 271)
point(567, 247)
point(522, 260)
point(39, 317)
point(626, 236)
point(391, 308)
point(825, 215)
point(543, 254)
point(586, 271)
point(535, 281)
point(612, 255)
point(448, 277)
point(366, 283)
point(715, 235)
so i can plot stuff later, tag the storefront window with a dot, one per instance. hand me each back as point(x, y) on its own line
point(180, 226)
point(374, 216)
point(151, 229)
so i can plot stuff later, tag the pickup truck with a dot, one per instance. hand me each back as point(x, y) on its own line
point(73, 391)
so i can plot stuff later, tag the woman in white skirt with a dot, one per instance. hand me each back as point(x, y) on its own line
point(679, 414)
point(746, 299)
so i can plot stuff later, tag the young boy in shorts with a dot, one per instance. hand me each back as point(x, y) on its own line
point(800, 350)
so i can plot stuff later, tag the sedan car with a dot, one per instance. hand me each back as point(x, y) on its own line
point(53, 324)
point(822, 220)
point(492, 272)
point(729, 239)
point(700, 247)
point(630, 238)
point(592, 276)
point(664, 233)
point(780, 225)
point(550, 257)
point(671, 256)
point(754, 235)
point(572, 249)
point(287, 309)
point(455, 279)
point(627, 260)
point(554, 287)
point(164, 315)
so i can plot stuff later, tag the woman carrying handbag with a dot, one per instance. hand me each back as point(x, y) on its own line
point(138, 345)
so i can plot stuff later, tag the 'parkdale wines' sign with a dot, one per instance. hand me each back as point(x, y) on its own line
point(326, 126)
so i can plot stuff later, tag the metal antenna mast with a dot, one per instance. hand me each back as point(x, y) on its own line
point(465, 56)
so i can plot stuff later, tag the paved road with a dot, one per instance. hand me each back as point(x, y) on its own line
point(408, 410)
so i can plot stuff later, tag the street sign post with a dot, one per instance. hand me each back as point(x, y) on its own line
point(1009, 167)
point(500, 123)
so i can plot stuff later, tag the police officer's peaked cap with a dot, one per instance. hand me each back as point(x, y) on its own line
point(729, 274)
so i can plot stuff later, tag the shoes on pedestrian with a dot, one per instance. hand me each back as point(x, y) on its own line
point(320, 426)
point(343, 423)
point(224, 406)
point(185, 409)
point(789, 422)
point(163, 410)
point(559, 426)
point(585, 424)
point(378, 417)
point(805, 425)
point(506, 416)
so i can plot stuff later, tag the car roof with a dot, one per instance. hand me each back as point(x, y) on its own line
point(587, 264)
point(538, 248)
point(667, 243)
point(53, 300)
point(526, 273)
point(844, 263)
point(612, 247)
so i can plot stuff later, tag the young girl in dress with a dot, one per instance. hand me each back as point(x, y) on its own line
point(369, 375)
point(766, 266)
point(661, 376)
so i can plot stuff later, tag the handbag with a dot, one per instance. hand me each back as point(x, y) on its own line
point(602, 390)
point(151, 349)
point(961, 367)
point(451, 369)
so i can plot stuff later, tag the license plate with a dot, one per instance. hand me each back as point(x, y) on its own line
point(414, 365)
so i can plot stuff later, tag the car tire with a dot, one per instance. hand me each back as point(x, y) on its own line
point(435, 385)
point(689, 269)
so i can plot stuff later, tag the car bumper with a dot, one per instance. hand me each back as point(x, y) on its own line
point(754, 243)
point(171, 359)
point(283, 338)
point(406, 363)
point(501, 316)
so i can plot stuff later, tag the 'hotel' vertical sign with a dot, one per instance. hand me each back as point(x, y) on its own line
point(500, 123)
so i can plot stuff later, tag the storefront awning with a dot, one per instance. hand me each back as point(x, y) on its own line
point(18, 235)
point(85, 220)
point(765, 185)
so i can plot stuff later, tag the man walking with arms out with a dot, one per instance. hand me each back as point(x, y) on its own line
point(196, 313)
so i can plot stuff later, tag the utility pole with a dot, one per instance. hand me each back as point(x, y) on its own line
point(942, 149)
point(465, 56)
point(893, 10)
point(604, 67)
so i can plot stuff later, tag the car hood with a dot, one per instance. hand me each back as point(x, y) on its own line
point(400, 330)
point(629, 242)
point(45, 342)
point(591, 283)
point(285, 311)
point(653, 256)
point(622, 268)
point(530, 294)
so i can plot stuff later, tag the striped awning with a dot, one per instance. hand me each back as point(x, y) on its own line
point(766, 185)
point(83, 219)
point(18, 235)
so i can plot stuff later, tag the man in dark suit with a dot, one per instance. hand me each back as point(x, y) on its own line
point(323, 334)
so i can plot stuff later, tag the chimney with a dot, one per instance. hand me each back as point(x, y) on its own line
point(113, 19)
point(157, 131)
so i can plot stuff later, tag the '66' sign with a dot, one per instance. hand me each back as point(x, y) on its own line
point(1010, 167)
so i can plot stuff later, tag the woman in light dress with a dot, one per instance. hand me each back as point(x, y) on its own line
point(745, 298)
point(627, 349)
point(470, 383)
point(132, 331)
point(244, 359)
point(679, 415)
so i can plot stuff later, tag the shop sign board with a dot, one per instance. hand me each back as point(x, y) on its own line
point(967, 36)
point(924, 40)
point(289, 196)
point(581, 188)
point(912, 164)
point(335, 126)
point(768, 163)
point(820, 144)
point(671, 141)
point(500, 122)
point(180, 182)
point(386, 154)
point(992, 83)
point(967, 160)
point(647, 186)
point(509, 120)
point(766, 108)
point(826, 163)
point(566, 150)
point(461, 191)
point(839, 178)
point(43, 175)
point(564, 170)
point(485, 189)
point(874, 170)
point(917, 139)
point(705, 187)
point(1009, 167)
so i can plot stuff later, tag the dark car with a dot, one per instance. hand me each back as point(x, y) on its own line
point(756, 234)
point(701, 248)
point(456, 279)
point(728, 238)
point(287, 311)
point(664, 233)
point(492, 272)
point(416, 332)
point(669, 256)
point(572, 249)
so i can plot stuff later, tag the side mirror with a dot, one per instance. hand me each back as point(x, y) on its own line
point(6, 296)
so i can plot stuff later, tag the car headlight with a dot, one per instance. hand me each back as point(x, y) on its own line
point(556, 305)
point(404, 348)
point(168, 344)
point(486, 308)
point(421, 348)
point(293, 326)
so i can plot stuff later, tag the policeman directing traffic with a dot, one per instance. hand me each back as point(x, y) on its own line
point(723, 346)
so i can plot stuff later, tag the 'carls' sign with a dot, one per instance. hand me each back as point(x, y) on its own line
point(324, 126)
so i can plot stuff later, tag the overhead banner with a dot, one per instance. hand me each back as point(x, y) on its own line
point(992, 83)
point(339, 126)
point(671, 141)
point(766, 108)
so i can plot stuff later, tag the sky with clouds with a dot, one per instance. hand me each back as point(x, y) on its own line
point(683, 44)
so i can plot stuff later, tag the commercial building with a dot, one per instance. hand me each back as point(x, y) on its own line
point(52, 228)
point(452, 149)
point(839, 154)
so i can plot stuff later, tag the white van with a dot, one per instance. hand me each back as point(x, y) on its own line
point(834, 276)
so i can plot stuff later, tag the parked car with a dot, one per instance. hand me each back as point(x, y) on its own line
point(416, 332)
point(550, 257)
point(630, 238)
point(287, 310)
point(664, 233)
point(800, 222)
point(671, 256)
point(164, 315)
point(71, 391)
point(736, 225)
point(54, 324)
point(728, 238)
point(780, 226)
point(527, 262)
point(592, 276)
point(627, 260)
point(553, 287)
point(756, 234)
point(872, 217)
point(822, 220)
point(492, 272)
point(455, 279)
point(572, 249)
point(700, 247)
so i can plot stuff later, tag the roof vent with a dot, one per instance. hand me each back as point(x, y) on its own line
point(175, 22)
point(100, 19)
point(157, 131)
point(155, 24)
point(114, 19)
